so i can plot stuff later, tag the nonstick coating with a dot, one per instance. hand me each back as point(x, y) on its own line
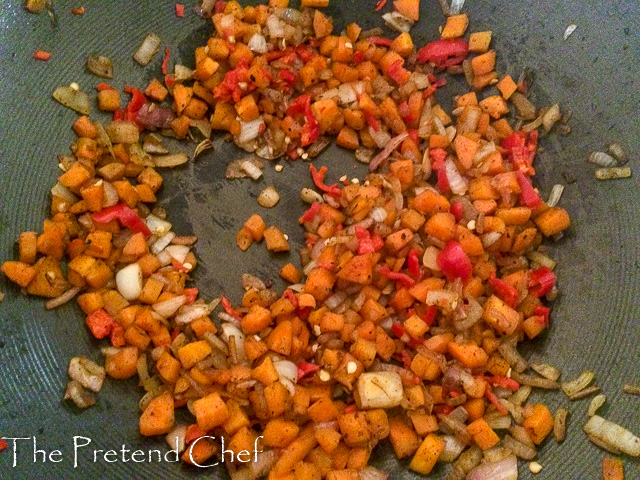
point(595, 319)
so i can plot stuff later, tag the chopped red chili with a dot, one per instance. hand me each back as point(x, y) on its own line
point(125, 215)
point(504, 290)
point(403, 278)
point(444, 53)
point(318, 179)
point(366, 242)
point(541, 281)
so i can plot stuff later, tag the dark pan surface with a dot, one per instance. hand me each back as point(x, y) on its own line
point(595, 321)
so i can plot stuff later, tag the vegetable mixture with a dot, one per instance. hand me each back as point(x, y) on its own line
point(417, 282)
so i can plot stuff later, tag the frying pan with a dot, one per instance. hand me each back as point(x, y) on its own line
point(595, 320)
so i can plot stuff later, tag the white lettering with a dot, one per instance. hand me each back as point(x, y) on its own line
point(193, 444)
point(255, 448)
point(76, 445)
point(15, 446)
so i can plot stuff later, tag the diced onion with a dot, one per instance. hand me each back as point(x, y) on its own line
point(100, 65)
point(123, 131)
point(176, 438)
point(397, 21)
point(257, 43)
point(178, 252)
point(167, 308)
point(129, 281)
point(189, 313)
point(250, 130)
point(88, 373)
point(505, 469)
point(457, 182)
point(595, 404)
point(456, 6)
point(62, 299)
point(578, 384)
point(157, 225)
point(453, 447)
point(275, 27)
point(172, 160)
point(251, 169)
point(613, 436)
point(61, 191)
point(147, 49)
point(268, 197)
point(389, 147)
point(73, 98)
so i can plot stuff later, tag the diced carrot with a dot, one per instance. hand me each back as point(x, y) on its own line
point(507, 86)
point(494, 106)
point(479, 42)
point(408, 8)
point(158, 417)
point(612, 469)
point(482, 434)
point(469, 354)
point(552, 221)
point(427, 455)
point(539, 423)
point(456, 26)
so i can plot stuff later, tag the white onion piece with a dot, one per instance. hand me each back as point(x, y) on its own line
point(453, 447)
point(162, 243)
point(62, 299)
point(379, 214)
point(336, 299)
point(257, 43)
point(506, 469)
point(275, 27)
point(457, 182)
point(110, 195)
point(456, 6)
point(381, 137)
point(442, 298)
point(250, 168)
point(169, 307)
point(178, 252)
point(147, 49)
point(88, 373)
point(227, 23)
point(397, 21)
point(269, 197)
point(347, 94)
point(72, 97)
point(570, 29)
point(157, 225)
point(250, 130)
point(129, 281)
point(286, 370)
point(61, 191)
point(182, 73)
point(429, 258)
point(171, 160)
point(175, 438)
point(122, 131)
point(613, 435)
point(490, 238)
point(189, 313)
point(229, 330)
point(554, 196)
point(387, 150)
point(370, 473)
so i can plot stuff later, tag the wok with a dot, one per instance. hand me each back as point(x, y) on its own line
point(595, 320)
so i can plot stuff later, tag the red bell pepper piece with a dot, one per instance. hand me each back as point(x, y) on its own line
point(437, 82)
point(413, 263)
point(318, 179)
point(289, 295)
point(125, 215)
point(287, 75)
point(430, 315)
point(521, 150)
point(542, 313)
point(191, 294)
point(454, 262)
point(117, 336)
point(170, 80)
point(78, 11)
point(541, 281)
point(3, 445)
point(366, 242)
point(380, 5)
point(310, 214)
point(504, 290)
point(220, 6)
point(41, 55)
point(372, 121)
point(179, 10)
point(397, 330)
point(100, 323)
point(495, 401)
point(444, 53)
point(504, 382)
point(193, 433)
point(438, 156)
point(406, 358)
point(398, 73)
point(403, 278)
point(306, 368)
point(226, 304)
point(311, 129)
point(103, 86)
point(178, 267)
point(165, 61)
point(304, 53)
point(528, 196)
point(358, 57)
point(229, 88)
point(457, 210)
point(383, 42)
